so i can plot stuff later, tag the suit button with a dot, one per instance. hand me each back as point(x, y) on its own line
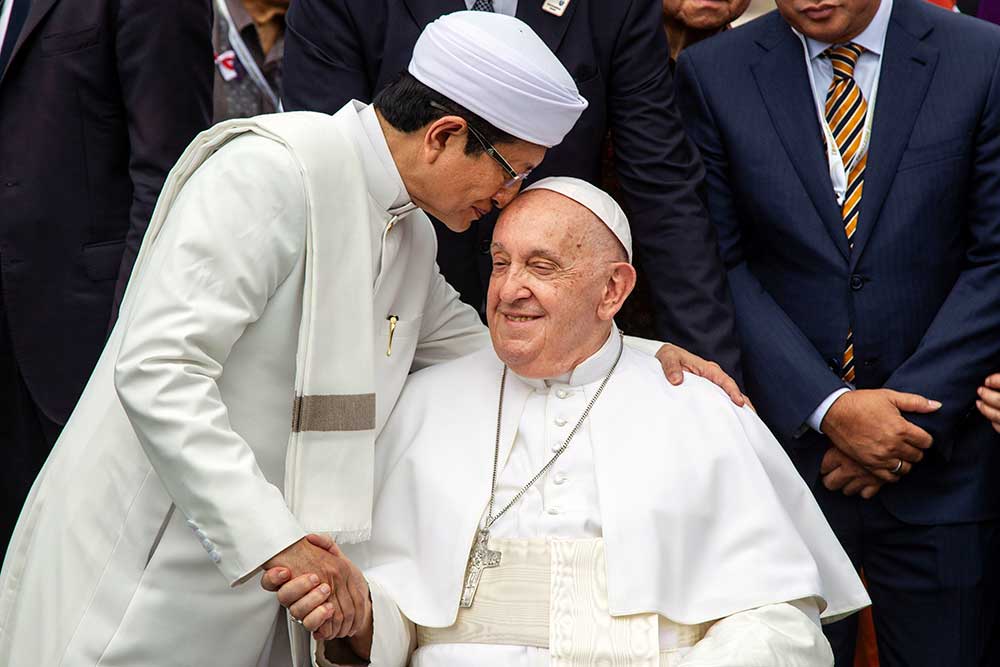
point(10, 184)
point(857, 282)
point(484, 246)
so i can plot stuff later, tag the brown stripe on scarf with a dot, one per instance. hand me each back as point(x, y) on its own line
point(334, 412)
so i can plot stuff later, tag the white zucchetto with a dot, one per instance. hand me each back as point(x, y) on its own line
point(499, 69)
point(597, 200)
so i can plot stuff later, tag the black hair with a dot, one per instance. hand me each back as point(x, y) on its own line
point(406, 105)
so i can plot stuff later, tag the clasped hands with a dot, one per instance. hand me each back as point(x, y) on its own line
point(873, 441)
point(323, 590)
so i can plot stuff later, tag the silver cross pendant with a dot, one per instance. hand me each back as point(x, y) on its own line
point(480, 558)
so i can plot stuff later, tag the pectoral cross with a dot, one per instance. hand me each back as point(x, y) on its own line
point(480, 558)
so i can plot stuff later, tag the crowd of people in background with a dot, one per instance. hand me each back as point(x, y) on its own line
point(856, 301)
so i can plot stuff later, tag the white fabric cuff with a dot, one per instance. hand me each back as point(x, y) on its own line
point(394, 637)
point(816, 418)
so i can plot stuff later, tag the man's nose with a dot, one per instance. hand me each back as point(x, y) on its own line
point(504, 196)
point(513, 288)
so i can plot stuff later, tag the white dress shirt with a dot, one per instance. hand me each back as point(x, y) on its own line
point(508, 7)
point(872, 39)
point(5, 10)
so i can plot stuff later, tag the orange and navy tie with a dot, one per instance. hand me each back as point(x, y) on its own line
point(846, 110)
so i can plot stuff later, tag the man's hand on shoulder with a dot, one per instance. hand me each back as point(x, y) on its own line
point(842, 473)
point(338, 604)
point(868, 426)
point(675, 360)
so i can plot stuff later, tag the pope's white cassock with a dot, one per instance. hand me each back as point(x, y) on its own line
point(673, 531)
point(285, 268)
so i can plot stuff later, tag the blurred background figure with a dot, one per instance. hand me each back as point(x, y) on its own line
point(342, 49)
point(249, 41)
point(98, 98)
point(689, 21)
point(685, 22)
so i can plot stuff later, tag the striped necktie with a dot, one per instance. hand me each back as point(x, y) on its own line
point(483, 6)
point(846, 110)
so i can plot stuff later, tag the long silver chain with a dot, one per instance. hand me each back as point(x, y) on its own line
point(490, 517)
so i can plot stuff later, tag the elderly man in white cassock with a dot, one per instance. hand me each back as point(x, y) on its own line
point(285, 289)
point(554, 501)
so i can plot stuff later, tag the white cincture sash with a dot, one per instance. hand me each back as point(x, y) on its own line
point(553, 594)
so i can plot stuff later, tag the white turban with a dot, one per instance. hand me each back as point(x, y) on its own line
point(496, 67)
point(597, 200)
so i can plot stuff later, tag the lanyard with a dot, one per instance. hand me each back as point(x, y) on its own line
point(245, 57)
point(835, 161)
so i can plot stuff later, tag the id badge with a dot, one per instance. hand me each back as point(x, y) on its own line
point(555, 7)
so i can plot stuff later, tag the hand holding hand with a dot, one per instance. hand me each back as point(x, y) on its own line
point(989, 400)
point(842, 473)
point(675, 360)
point(868, 426)
point(336, 586)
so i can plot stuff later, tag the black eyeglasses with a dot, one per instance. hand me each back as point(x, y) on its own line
point(513, 176)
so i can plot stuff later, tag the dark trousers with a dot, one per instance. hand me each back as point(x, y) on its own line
point(934, 589)
point(26, 435)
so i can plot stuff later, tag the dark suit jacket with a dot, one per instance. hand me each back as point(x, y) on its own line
point(97, 102)
point(337, 50)
point(921, 287)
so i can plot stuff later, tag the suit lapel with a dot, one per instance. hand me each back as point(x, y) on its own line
point(549, 27)
point(784, 84)
point(425, 11)
point(907, 67)
point(39, 8)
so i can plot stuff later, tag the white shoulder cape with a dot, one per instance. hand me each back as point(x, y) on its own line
point(703, 513)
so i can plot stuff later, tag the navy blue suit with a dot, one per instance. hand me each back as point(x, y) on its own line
point(920, 289)
point(98, 98)
point(336, 50)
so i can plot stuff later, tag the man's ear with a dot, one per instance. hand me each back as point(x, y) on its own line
point(621, 282)
point(438, 133)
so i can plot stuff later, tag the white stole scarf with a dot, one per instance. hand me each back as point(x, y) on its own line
point(329, 461)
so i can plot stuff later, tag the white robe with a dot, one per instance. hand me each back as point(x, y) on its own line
point(103, 568)
point(702, 514)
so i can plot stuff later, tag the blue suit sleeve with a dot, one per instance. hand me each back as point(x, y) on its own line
point(789, 376)
point(962, 345)
point(659, 172)
point(324, 65)
point(164, 52)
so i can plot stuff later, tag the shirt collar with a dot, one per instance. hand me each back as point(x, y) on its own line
point(384, 182)
point(591, 369)
point(241, 17)
point(871, 38)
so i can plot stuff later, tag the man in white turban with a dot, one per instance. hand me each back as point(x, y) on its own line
point(285, 289)
point(554, 501)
